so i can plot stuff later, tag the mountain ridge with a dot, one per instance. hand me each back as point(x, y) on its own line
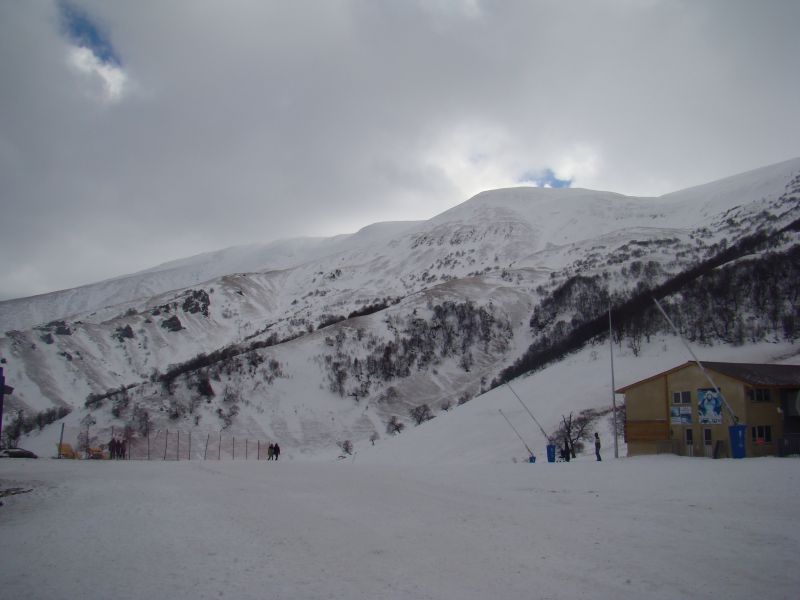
point(334, 347)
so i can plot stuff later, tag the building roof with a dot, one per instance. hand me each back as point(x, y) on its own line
point(749, 373)
point(758, 374)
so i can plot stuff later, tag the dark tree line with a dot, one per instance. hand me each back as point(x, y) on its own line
point(719, 299)
point(23, 424)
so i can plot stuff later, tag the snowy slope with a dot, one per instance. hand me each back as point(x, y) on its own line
point(500, 253)
point(23, 313)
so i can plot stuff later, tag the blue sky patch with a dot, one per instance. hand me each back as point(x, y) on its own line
point(84, 32)
point(545, 178)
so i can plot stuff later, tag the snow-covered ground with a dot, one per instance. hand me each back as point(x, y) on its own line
point(648, 527)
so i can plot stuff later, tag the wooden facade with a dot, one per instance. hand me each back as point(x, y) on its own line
point(679, 411)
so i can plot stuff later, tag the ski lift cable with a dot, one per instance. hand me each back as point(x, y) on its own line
point(727, 406)
point(530, 452)
point(547, 437)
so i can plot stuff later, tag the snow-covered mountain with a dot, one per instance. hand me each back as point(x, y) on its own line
point(23, 313)
point(316, 341)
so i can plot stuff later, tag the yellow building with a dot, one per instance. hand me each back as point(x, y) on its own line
point(678, 411)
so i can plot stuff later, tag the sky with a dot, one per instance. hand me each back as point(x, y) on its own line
point(133, 133)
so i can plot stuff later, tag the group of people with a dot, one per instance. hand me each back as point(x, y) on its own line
point(117, 449)
point(273, 451)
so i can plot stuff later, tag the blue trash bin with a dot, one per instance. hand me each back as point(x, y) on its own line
point(551, 453)
point(737, 433)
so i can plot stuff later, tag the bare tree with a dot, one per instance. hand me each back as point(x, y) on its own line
point(421, 413)
point(84, 438)
point(394, 426)
point(576, 430)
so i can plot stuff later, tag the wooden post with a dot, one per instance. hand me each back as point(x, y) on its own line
point(190, 446)
point(60, 440)
point(148, 443)
point(166, 439)
point(258, 456)
point(178, 448)
point(219, 448)
point(234, 448)
point(205, 452)
point(245, 448)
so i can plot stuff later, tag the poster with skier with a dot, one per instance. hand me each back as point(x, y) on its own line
point(709, 407)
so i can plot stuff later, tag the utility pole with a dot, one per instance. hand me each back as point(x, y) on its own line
point(613, 386)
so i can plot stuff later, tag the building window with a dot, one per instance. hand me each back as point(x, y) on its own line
point(759, 395)
point(707, 437)
point(681, 397)
point(762, 434)
point(689, 437)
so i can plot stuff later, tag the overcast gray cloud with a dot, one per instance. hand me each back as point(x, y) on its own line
point(224, 123)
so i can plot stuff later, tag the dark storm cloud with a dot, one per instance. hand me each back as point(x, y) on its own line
point(219, 124)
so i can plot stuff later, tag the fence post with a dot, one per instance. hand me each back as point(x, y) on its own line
point(234, 448)
point(245, 448)
point(178, 448)
point(258, 455)
point(148, 443)
point(166, 439)
point(205, 452)
point(219, 448)
point(60, 440)
point(190, 446)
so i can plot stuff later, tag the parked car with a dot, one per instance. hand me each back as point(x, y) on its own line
point(16, 453)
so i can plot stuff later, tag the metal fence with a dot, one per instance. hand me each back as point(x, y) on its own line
point(162, 444)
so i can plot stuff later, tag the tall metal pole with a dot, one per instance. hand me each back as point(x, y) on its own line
point(530, 452)
point(547, 437)
point(613, 386)
point(734, 418)
point(61, 440)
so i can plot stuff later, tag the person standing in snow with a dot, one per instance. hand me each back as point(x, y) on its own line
point(276, 451)
point(270, 451)
point(597, 446)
